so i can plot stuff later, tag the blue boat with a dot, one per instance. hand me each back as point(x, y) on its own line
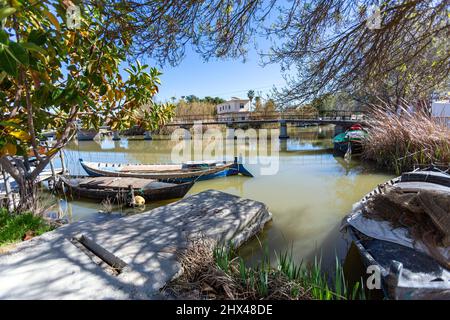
point(184, 172)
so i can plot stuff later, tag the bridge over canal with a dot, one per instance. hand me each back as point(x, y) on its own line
point(341, 120)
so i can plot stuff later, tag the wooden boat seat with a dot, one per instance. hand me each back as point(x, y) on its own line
point(121, 183)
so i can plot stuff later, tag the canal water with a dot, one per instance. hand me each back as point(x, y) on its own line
point(308, 189)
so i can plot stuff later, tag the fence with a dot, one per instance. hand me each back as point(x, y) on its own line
point(273, 116)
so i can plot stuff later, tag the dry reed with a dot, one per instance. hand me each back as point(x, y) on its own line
point(399, 141)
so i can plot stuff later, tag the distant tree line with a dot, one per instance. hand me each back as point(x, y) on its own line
point(192, 98)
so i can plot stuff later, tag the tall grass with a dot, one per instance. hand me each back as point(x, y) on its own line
point(216, 272)
point(399, 141)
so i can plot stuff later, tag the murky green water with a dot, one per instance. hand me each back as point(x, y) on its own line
point(308, 196)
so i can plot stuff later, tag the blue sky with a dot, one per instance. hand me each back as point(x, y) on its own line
point(222, 78)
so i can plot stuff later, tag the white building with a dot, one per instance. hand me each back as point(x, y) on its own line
point(440, 110)
point(234, 109)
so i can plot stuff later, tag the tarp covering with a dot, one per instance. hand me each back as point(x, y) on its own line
point(419, 220)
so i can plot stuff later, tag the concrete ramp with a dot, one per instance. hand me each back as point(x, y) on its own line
point(127, 258)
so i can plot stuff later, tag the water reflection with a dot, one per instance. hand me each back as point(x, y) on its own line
point(310, 194)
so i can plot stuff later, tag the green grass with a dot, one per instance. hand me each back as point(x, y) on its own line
point(14, 226)
point(311, 279)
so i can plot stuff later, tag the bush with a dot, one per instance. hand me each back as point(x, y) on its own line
point(13, 227)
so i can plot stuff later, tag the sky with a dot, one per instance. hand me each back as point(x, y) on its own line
point(221, 78)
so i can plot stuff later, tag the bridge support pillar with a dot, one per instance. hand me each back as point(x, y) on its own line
point(187, 132)
point(229, 131)
point(147, 135)
point(283, 145)
point(116, 135)
point(283, 130)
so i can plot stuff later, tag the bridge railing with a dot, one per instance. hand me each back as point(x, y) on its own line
point(272, 116)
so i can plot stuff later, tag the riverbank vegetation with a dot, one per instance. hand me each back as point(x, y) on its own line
point(215, 272)
point(399, 141)
point(18, 227)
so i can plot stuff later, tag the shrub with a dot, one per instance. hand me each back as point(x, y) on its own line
point(13, 227)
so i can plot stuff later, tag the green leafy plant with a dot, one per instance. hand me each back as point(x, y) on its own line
point(52, 75)
point(14, 227)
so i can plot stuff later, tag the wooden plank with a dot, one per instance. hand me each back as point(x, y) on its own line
point(116, 183)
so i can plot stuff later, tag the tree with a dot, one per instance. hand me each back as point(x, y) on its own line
point(215, 28)
point(333, 48)
point(270, 107)
point(330, 42)
point(258, 104)
point(251, 95)
point(215, 100)
point(191, 98)
point(52, 74)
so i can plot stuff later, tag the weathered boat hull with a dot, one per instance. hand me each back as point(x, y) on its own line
point(229, 169)
point(406, 273)
point(393, 261)
point(163, 191)
point(341, 148)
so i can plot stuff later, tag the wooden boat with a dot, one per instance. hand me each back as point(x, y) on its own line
point(118, 189)
point(188, 171)
point(350, 140)
point(408, 270)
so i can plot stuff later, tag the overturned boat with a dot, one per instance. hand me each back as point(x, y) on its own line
point(187, 171)
point(403, 229)
point(121, 190)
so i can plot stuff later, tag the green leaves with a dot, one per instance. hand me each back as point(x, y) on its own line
point(18, 52)
point(4, 37)
point(8, 63)
point(37, 37)
point(33, 47)
point(12, 55)
point(67, 68)
point(5, 12)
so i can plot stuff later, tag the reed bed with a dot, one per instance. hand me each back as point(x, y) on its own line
point(400, 141)
point(216, 272)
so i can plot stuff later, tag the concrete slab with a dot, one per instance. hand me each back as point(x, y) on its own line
point(52, 267)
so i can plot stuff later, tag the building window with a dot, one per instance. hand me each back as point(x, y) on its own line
point(241, 106)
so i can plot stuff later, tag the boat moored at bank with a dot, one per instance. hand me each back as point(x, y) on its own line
point(121, 190)
point(184, 172)
point(402, 228)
